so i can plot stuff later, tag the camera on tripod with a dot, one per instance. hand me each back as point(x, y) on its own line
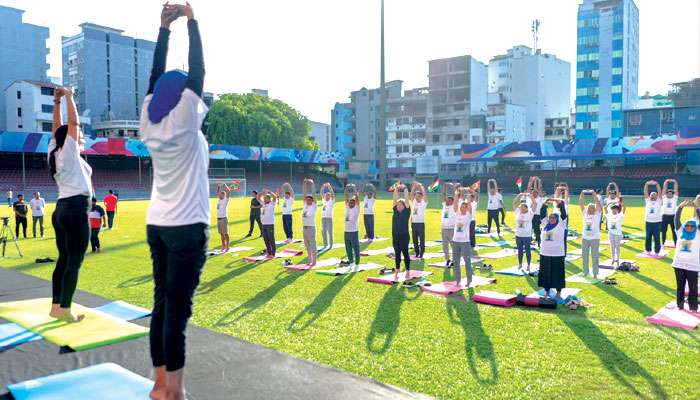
point(5, 220)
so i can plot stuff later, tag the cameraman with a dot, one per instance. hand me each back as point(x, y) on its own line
point(20, 208)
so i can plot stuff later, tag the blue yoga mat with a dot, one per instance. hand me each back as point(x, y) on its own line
point(123, 310)
point(13, 335)
point(102, 381)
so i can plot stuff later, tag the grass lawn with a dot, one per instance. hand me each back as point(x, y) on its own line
point(447, 348)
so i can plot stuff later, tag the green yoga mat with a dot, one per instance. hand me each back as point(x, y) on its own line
point(95, 330)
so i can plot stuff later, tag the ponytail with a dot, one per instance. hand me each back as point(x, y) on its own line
point(59, 138)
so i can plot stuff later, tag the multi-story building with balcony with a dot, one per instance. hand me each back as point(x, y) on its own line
point(406, 132)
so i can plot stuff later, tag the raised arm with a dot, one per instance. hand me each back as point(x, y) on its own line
point(412, 192)
point(598, 205)
point(57, 119)
point(346, 193)
point(290, 189)
point(516, 201)
point(72, 111)
point(679, 211)
point(457, 197)
point(395, 194)
point(195, 76)
point(303, 189)
point(169, 14)
point(330, 189)
point(274, 196)
point(444, 191)
point(582, 199)
point(562, 210)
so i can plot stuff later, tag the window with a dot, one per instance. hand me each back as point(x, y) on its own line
point(436, 138)
point(47, 108)
point(617, 123)
point(635, 119)
point(436, 153)
point(581, 109)
point(616, 89)
point(419, 149)
point(579, 74)
point(46, 91)
point(617, 71)
point(616, 106)
point(617, 53)
point(593, 56)
point(582, 57)
point(593, 108)
point(19, 111)
point(19, 94)
point(667, 116)
point(46, 126)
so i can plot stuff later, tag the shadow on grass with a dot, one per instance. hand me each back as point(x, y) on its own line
point(618, 364)
point(320, 304)
point(478, 348)
point(387, 319)
point(211, 285)
point(259, 300)
point(135, 281)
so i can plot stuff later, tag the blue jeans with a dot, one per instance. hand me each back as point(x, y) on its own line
point(653, 231)
point(287, 225)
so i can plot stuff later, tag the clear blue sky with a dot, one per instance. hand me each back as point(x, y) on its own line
point(312, 53)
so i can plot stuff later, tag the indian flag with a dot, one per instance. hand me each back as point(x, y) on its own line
point(476, 185)
point(435, 186)
point(235, 186)
point(519, 183)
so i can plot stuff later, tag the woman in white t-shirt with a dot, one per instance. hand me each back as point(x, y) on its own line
point(308, 220)
point(591, 215)
point(327, 215)
point(352, 218)
point(287, 208)
point(614, 219)
point(537, 195)
point(460, 238)
point(553, 251)
point(418, 204)
point(267, 215)
point(523, 228)
point(447, 219)
point(368, 211)
point(653, 216)
point(495, 202)
point(669, 198)
point(686, 261)
point(72, 175)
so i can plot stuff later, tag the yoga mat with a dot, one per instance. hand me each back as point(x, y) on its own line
point(431, 243)
point(393, 257)
point(97, 329)
point(474, 260)
point(123, 310)
point(281, 254)
point(12, 335)
point(349, 270)
point(283, 242)
point(579, 251)
point(499, 254)
point(494, 298)
point(581, 278)
point(376, 239)
point(102, 381)
point(448, 287)
point(319, 264)
point(571, 257)
point(442, 264)
point(497, 243)
point(386, 250)
point(517, 272)
point(607, 242)
point(335, 246)
point(661, 255)
point(565, 292)
point(675, 318)
point(669, 244)
point(216, 252)
point(607, 264)
point(257, 258)
point(388, 279)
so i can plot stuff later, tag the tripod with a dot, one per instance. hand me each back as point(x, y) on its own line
point(5, 234)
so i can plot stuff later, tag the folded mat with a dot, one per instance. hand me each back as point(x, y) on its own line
point(12, 335)
point(499, 254)
point(608, 264)
point(349, 270)
point(386, 250)
point(319, 264)
point(123, 310)
point(661, 255)
point(96, 329)
point(450, 287)
point(516, 271)
point(675, 318)
point(389, 279)
point(495, 298)
point(102, 381)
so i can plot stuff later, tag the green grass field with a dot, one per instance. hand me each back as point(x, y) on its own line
point(447, 348)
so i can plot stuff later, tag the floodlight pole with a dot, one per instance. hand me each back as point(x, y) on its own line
point(381, 134)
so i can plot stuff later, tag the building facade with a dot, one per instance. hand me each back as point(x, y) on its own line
point(662, 121)
point(109, 71)
point(23, 53)
point(342, 138)
point(607, 67)
point(505, 122)
point(540, 83)
point(321, 134)
point(406, 132)
point(685, 93)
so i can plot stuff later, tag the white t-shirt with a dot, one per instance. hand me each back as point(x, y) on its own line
point(614, 223)
point(352, 215)
point(180, 155)
point(608, 200)
point(267, 213)
point(670, 205)
point(9, 194)
point(37, 206)
point(287, 205)
point(327, 208)
point(222, 208)
point(308, 215)
point(475, 205)
point(687, 254)
point(591, 225)
point(523, 223)
point(553, 240)
point(418, 213)
point(461, 230)
point(652, 210)
point(494, 201)
point(73, 174)
point(448, 216)
point(369, 206)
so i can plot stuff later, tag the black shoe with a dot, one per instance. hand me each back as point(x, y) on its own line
point(248, 235)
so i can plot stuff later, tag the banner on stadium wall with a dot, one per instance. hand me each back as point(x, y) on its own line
point(662, 145)
point(23, 142)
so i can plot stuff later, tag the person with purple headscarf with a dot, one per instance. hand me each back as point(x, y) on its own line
point(177, 220)
point(552, 250)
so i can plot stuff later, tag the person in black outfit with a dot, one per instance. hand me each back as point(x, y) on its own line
point(400, 235)
point(255, 207)
point(502, 210)
point(20, 208)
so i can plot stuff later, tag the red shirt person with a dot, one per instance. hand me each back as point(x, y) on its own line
point(111, 206)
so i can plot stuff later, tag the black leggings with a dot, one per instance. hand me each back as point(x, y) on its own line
point(418, 231)
point(178, 254)
point(369, 225)
point(492, 215)
point(400, 242)
point(268, 234)
point(472, 235)
point(502, 211)
point(95, 238)
point(20, 221)
point(666, 223)
point(70, 222)
point(253, 219)
point(537, 228)
point(690, 279)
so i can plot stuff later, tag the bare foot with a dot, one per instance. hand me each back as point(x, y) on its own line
point(55, 309)
point(159, 391)
point(65, 314)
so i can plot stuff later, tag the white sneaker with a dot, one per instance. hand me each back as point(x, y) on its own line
point(357, 267)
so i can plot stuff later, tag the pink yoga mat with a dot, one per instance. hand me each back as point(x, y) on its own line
point(495, 298)
point(257, 258)
point(388, 279)
point(675, 318)
point(652, 256)
point(447, 288)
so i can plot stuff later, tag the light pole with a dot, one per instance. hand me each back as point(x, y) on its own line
point(381, 133)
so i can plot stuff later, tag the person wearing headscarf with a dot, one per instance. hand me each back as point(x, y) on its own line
point(553, 251)
point(177, 220)
point(686, 261)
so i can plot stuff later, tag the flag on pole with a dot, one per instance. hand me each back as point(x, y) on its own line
point(476, 185)
point(235, 186)
point(519, 183)
point(435, 186)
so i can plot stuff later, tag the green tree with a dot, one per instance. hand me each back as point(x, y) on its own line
point(254, 120)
